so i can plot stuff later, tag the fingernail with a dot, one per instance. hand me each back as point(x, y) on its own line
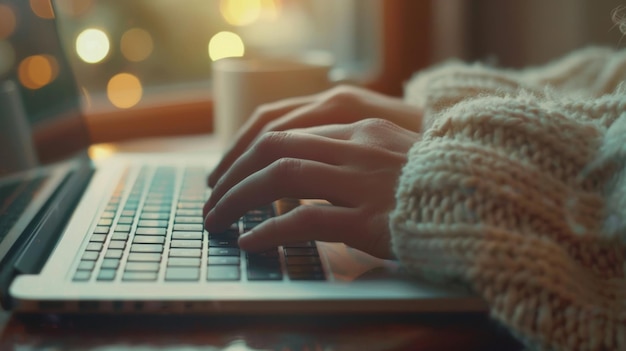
point(244, 237)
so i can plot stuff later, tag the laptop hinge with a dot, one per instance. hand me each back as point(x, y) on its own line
point(44, 231)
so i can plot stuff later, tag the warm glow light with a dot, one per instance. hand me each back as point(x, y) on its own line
point(225, 44)
point(136, 44)
point(92, 45)
point(7, 56)
point(7, 21)
point(74, 8)
point(271, 9)
point(101, 151)
point(42, 8)
point(240, 12)
point(124, 90)
point(37, 71)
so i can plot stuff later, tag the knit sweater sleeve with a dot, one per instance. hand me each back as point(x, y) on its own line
point(520, 193)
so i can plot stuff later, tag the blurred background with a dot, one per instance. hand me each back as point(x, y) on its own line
point(144, 61)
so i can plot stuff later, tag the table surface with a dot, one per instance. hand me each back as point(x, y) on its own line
point(241, 333)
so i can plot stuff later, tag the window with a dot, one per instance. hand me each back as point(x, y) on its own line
point(144, 66)
point(131, 51)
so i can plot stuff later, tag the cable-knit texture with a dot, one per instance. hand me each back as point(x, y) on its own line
point(518, 189)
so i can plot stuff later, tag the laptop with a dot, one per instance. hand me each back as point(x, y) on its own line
point(125, 235)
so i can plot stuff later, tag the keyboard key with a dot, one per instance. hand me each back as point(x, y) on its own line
point(153, 223)
point(94, 247)
point(122, 228)
point(303, 260)
point(182, 274)
point(224, 251)
point(107, 214)
point(306, 273)
point(189, 212)
point(90, 255)
point(149, 239)
point(165, 209)
point(188, 219)
point(82, 276)
point(114, 254)
point(185, 253)
point(187, 235)
point(189, 227)
point(226, 235)
point(223, 243)
point(110, 263)
point(265, 273)
point(223, 273)
point(119, 236)
point(105, 222)
point(183, 262)
point(101, 230)
point(186, 244)
point(128, 213)
point(142, 266)
point(139, 276)
point(117, 244)
point(146, 248)
point(100, 238)
point(155, 216)
point(86, 265)
point(151, 231)
point(224, 260)
point(126, 220)
point(144, 257)
point(106, 275)
point(191, 205)
point(269, 254)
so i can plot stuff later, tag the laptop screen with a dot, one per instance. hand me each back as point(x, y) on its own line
point(31, 55)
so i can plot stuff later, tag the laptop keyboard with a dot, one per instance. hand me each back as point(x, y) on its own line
point(152, 230)
point(14, 198)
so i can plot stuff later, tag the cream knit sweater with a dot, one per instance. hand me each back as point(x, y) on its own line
point(518, 189)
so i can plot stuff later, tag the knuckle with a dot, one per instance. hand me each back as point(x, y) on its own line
point(270, 142)
point(311, 216)
point(287, 168)
point(263, 111)
point(375, 124)
point(341, 95)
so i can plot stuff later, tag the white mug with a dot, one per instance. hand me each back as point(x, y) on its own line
point(242, 84)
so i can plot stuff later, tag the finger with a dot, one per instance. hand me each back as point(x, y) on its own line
point(292, 178)
point(251, 129)
point(315, 113)
point(276, 145)
point(323, 223)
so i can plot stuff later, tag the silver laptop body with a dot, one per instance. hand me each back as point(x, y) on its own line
point(125, 235)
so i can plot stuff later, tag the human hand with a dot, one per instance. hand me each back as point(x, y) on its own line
point(340, 105)
point(353, 166)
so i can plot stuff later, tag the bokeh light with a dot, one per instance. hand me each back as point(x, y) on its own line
point(124, 90)
point(92, 45)
point(136, 44)
point(7, 56)
point(7, 21)
point(271, 9)
point(240, 12)
point(37, 71)
point(225, 44)
point(74, 8)
point(42, 8)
